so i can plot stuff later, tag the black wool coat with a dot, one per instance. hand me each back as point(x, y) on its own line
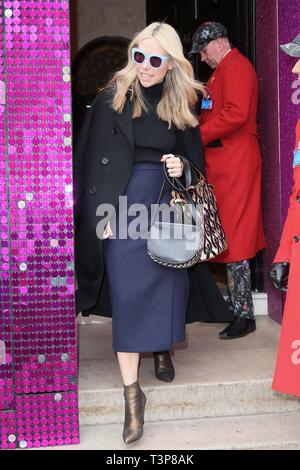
point(103, 164)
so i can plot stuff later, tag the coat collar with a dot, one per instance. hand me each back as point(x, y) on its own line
point(231, 53)
point(228, 56)
point(124, 121)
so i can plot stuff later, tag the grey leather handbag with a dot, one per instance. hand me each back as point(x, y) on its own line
point(195, 237)
point(176, 235)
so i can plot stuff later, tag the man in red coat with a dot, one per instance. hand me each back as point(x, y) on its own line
point(233, 163)
point(285, 272)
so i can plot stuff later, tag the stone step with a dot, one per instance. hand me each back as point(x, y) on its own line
point(188, 402)
point(260, 300)
point(275, 431)
point(214, 378)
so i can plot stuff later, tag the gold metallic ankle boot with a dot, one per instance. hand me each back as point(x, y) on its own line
point(135, 402)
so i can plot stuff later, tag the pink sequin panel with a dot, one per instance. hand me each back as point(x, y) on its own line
point(6, 369)
point(37, 272)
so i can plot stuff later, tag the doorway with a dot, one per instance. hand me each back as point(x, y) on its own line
point(239, 18)
point(185, 16)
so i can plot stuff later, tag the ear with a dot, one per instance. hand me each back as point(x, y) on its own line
point(170, 66)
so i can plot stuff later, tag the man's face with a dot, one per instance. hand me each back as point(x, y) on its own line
point(212, 54)
point(296, 69)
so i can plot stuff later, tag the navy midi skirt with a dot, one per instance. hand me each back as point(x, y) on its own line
point(149, 301)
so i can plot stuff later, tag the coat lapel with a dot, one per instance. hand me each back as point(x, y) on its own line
point(124, 121)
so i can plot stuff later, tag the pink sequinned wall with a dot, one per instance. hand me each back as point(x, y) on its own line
point(38, 346)
point(277, 22)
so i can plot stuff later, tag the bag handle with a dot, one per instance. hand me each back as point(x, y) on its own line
point(179, 187)
point(187, 176)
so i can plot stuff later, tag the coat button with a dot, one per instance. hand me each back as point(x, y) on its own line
point(93, 190)
point(115, 131)
point(104, 161)
point(296, 239)
point(298, 198)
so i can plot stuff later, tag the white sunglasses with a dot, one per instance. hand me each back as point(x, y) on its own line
point(155, 60)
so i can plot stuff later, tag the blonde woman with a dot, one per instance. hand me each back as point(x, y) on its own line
point(143, 118)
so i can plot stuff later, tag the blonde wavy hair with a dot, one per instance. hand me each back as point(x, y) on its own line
point(180, 88)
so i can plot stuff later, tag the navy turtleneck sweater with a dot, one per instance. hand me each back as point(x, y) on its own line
point(152, 138)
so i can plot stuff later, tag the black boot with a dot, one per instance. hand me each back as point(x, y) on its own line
point(164, 369)
point(238, 328)
point(135, 402)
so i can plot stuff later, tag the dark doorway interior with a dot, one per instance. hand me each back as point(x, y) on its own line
point(239, 18)
point(186, 15)
point(96, 62)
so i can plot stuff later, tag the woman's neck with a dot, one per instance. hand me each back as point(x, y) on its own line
point(153, 92)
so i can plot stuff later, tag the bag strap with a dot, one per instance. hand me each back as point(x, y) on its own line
point(188, 167)
point(187, 176)
point(158, 201)
point(179, 187)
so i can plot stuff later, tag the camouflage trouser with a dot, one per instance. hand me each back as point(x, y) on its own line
point(239, 286)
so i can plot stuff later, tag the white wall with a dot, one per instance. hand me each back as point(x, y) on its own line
point(97, 18)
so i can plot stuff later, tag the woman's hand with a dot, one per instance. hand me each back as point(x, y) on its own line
point(107, 232)
point(174, 165)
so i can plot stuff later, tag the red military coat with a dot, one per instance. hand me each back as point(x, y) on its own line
point(232, 155)
point(287, 372)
